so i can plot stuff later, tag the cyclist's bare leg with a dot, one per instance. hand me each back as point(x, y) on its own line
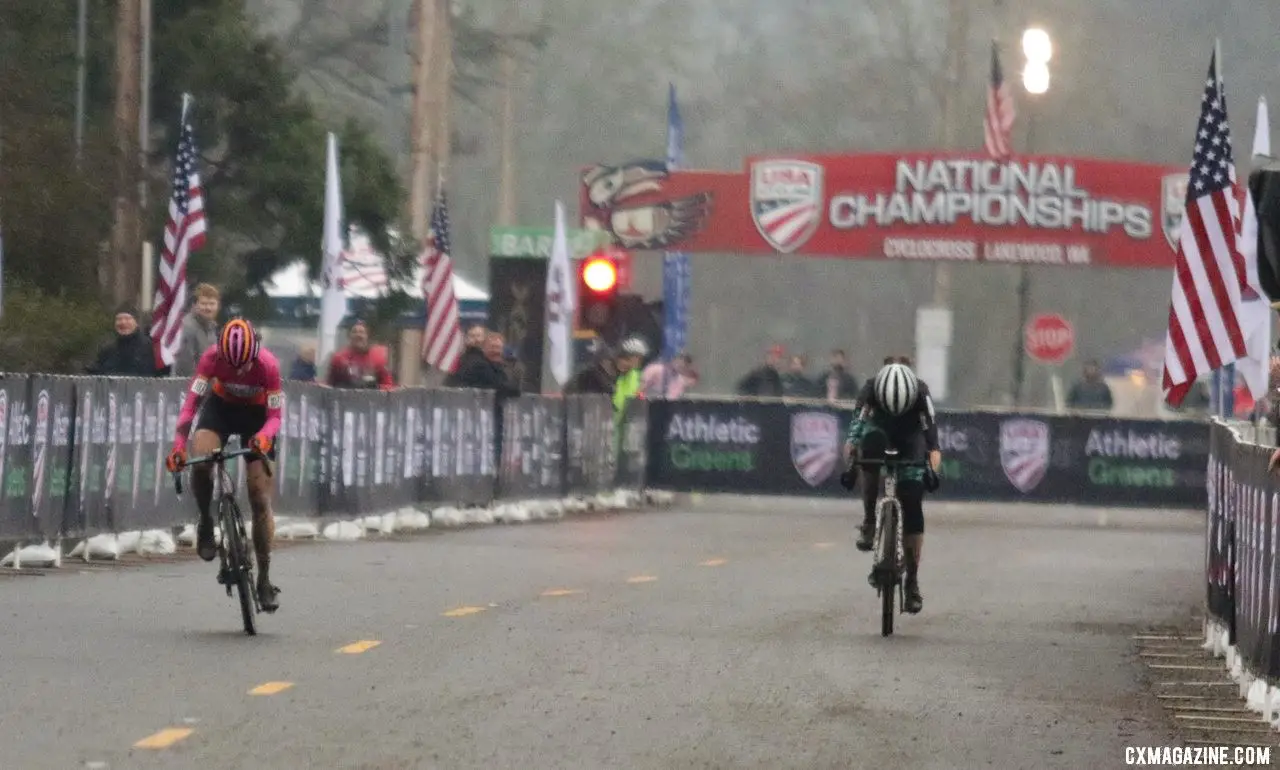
point(870, 482)
point(204, 442)
point(264, 530)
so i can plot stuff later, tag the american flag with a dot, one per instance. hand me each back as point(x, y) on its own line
point(442, 339)
point(997, 124)
point(1209, 272)
point(184, 233)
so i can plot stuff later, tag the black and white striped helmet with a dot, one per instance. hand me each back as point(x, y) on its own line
point(896, 388)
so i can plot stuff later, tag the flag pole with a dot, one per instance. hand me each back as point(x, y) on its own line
point(1227, 383)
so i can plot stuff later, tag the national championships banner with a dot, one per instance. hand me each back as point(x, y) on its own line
point(1035, 209)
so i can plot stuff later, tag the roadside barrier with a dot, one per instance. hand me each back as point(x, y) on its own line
point(84, 456)
point(782, 447)
point(1242, 571)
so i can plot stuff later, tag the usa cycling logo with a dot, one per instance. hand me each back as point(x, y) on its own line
point(1024, 452)
point(786, 202)
point(815, 445)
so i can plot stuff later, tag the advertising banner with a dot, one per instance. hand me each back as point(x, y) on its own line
point(930, 206)
point(783, 449)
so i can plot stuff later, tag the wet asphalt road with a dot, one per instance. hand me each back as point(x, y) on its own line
point(723, 633)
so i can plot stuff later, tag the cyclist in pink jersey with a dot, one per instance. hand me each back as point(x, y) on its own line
point(236, 391)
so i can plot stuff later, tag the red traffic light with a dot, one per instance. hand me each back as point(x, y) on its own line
point(599, 274)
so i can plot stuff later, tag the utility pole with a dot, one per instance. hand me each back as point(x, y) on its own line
point(144, 145)
point(398, 74)
point(82, 34)
point(123, 275)
point(444, 88)
point(956, 80)
point(424, 98)
point(507, 178)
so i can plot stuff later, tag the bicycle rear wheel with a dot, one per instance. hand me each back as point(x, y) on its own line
point(888, 568)
point(240, 562)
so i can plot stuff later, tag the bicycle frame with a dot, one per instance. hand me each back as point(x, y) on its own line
point(890, 565)
point(235, 555)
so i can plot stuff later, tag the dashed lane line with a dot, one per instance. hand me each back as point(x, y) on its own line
point(713, 562)
point(355, 648)
point(561, 592)
point(641, 579)
point(458, 612)
point(271, 688)
point(164, 739)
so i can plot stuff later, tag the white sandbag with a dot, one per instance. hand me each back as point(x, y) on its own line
point(96, 547)
point(42, 555)
point(478, 516)
point(411, 520)
point(511, 513)
point(447, 516)
point(157, 542)
point(1256, 699)
point(129, 541)
point(343, 530)
point(187, 537)
point(297, 530)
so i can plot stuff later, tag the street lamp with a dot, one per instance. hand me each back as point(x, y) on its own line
point(1038, 49)
point(1035, 77)
point(1036, 45)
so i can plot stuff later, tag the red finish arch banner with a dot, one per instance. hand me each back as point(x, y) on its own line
point(958, 207)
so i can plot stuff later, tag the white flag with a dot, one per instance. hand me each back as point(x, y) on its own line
point(333, 301)
point(560, 304)
point(1255, 311)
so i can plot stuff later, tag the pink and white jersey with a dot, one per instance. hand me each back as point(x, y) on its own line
point(259, 386)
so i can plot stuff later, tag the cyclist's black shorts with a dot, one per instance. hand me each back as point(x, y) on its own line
point(910, 492)
point(229, 420)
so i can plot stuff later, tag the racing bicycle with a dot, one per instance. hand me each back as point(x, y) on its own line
point(888, 573)
point(234, 553)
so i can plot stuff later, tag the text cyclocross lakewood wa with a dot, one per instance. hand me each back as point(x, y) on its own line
point(1240, 756)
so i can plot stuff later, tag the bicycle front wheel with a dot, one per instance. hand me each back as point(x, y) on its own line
point(888, 567)
point(239, 561)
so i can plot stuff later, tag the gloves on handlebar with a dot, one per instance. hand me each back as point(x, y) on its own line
point(849, 479)
point(260, 444)
point(176, 460)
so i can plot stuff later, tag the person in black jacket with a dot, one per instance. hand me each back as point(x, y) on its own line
point(765, 380)
point(471, 356)
point(488, 371)
point(130, 354)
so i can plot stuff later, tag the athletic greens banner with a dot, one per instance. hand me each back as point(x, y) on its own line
point(786, 449)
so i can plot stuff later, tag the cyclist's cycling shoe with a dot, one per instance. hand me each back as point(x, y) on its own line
point(914, 601)
point(865, 537)
point(267, 596)
point(206, 546)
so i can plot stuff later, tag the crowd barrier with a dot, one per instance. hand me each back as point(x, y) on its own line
point(782, 448)
point(85, 455)
point(1242, 571)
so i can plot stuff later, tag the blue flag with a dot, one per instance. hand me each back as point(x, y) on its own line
point(676, 270)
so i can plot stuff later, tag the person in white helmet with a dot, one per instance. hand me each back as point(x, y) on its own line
point(895, 410)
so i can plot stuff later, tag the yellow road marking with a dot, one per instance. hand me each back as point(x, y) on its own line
point(270, 688)
point(824, 545)
point(355, 648)
point(713, 562)
point(641, 579)
point(164, 739)
point(561, 592)
point(460, 611)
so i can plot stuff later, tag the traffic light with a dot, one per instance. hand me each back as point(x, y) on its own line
point(597, 292)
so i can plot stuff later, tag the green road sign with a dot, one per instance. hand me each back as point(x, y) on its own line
point(535, 242)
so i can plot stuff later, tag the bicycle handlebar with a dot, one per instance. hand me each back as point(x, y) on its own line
point(221, 456)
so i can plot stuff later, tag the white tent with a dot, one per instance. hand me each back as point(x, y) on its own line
point(363, 275)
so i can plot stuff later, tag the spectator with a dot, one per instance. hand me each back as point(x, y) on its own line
point(838, 384)
point(130, 354)
point(360, 365)
point(795, 383)
point(1090, 392)
point(678, 374)
point(304, 366)
point(598, 377)
point(488, 371)
point(765, 380)
point(472, 353)
point(199, 330)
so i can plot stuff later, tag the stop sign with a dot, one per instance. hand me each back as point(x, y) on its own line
point(1049, 338)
